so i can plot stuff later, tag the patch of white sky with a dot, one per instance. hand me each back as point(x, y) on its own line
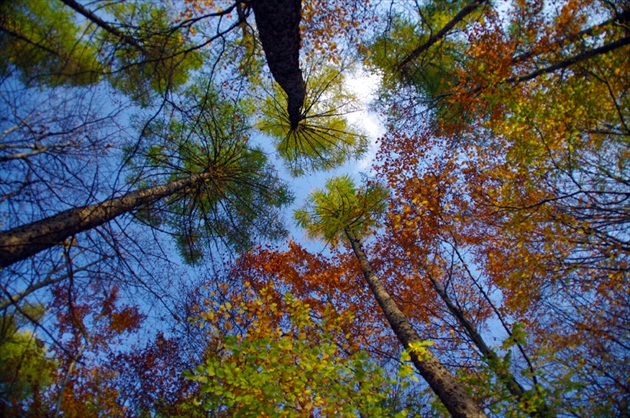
point(364, 86)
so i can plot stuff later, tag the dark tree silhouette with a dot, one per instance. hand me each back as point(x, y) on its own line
point(278, 25)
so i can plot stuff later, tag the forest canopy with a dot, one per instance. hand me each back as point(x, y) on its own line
point(185, 231)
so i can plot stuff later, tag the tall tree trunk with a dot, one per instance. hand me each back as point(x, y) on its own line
point(278, 23)
point(504, 375)
point(458, 402)
point(27, 240)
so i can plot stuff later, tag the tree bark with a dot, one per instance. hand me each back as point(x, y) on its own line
point(27, 240)
point(458, 402)
point(278, 23)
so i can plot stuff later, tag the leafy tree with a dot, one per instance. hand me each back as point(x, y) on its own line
point(323, 138)
point(342, 211)
point(26, 365)
point(40, 39)
point(525, 147)
point(211, 175)
point(286, 363)
point(89, 324)
point(139, 55)
point(426, 248)
point(505, 163)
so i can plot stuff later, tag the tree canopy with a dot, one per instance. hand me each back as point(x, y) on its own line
point(154, 262)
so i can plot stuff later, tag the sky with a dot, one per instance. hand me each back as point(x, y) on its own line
point(364, 85)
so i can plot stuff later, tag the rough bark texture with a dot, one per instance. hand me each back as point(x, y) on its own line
point(278, 23)
point(458, 402)
point(27, 240)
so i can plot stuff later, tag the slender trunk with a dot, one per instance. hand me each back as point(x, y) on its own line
point(458, 402)
point(27, 240)
point(504, 375)
point(66, 379)
point(513, 386)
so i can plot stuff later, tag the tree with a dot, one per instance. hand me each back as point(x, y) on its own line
point(323, 139)
point(40, 40)
point(22, 242)
point(220, 169)
point(227, 201)
point(427, 242)
point(279, 30)
point(27, 368)
point(342, 211)
point(521, 141)
point(140, 55)
point(502, 239)
point(283, 28)
point(285, 362)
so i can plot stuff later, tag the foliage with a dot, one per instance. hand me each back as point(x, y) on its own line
point(341, 209)
point(323, 139)
point(41, 39)
point(140, 56)
point(161, 63)
point(498, 223)
point(26, 364)
point(330, 28)
point(287, 364)
point(239, 203)
point(524, 194)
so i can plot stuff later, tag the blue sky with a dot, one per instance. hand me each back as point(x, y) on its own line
point(364, 85)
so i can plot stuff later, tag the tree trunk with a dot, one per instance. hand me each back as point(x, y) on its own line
point(504, 375)
point(278, 23)
point(458, 402)
point(27, 240)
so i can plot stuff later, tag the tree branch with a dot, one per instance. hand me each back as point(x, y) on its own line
point(620, 19)
point(573, 60)
point(14, 299)
point(442, 32)
point(101, 23)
